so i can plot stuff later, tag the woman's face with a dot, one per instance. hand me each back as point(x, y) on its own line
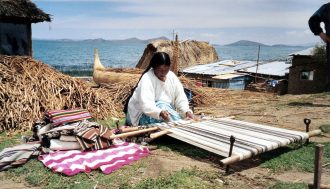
point(161, 72)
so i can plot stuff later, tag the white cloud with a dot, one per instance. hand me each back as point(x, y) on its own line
point(195, 15)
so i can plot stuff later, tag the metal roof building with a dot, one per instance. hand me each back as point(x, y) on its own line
point(276, 68)
point(218, 68)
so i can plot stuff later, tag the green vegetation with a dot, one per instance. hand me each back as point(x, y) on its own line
point(166, 143)
point(110, 122)
point(319, 54)
point(8, 141)
point(286, 185)
point(294, 157)
point(325, 128)
point(191, 178)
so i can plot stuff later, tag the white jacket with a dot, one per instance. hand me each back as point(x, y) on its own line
point(150, 89)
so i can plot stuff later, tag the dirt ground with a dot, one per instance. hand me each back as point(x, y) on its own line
point(286, 111)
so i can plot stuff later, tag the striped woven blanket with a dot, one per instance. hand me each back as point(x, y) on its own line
point(17, 155)
point(74, 161)
point(57, 117)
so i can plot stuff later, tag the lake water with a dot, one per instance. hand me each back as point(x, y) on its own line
point(79, 55)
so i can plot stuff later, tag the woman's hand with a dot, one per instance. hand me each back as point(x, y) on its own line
point(324, 37)
point(189, 115)
point(165, 115)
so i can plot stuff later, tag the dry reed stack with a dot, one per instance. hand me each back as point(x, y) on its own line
point(29, 87)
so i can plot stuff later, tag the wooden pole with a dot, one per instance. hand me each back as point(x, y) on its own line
point(307, 122)
point(159, 134)
point(319, 149)
point(133, 133)
point(129, 129)
point(322, 186)
point(314, 132)
point(232, 140)
point(236, 158)
point(176, 56)
point(255, 78)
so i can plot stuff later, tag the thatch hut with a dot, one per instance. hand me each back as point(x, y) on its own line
point(189, 53)
point(16, 17)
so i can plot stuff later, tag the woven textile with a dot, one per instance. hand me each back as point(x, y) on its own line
point(17, 155)
point(74, 161)
point(57, 117)
point(91, 135)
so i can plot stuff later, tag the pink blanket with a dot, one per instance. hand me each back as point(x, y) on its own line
point(74, 161)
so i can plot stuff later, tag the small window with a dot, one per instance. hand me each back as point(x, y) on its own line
point(307, 75)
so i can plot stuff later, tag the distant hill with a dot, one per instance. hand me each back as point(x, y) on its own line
point(129, 40)
point(95, 40)
point(245, 43)
point(253, 43)
point(282, 45)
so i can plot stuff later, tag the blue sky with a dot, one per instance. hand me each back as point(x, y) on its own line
point(216, 21)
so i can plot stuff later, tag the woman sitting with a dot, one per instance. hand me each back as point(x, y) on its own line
point(158, 95)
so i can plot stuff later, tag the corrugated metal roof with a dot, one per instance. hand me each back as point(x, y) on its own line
point(306, 52)
point(277, 68)
point(229, 76)
point(217, 68)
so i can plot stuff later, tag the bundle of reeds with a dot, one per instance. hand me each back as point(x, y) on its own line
point(28, 88)
point(201, 95)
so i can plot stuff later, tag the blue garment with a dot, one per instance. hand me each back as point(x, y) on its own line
point(145, 120)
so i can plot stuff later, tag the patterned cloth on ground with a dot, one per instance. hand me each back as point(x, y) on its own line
point(74, 161)
point(17, 155)
point(91, 135)
point(57, 117)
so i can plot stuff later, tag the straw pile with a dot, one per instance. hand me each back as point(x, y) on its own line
point(201, 95)
point(29, 87)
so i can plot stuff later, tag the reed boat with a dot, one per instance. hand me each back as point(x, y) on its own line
point(106, 76)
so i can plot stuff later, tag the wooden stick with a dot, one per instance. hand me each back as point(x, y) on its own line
point(129, 129)
point(318, 165)
point(232, 140)
point(322, 186)
point(124, 135)
point(307, 122)
point(230, 160)
point(314, 133)
point(159, 134)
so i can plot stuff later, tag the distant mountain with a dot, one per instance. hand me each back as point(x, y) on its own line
point(282, 45)
point(158, 38)
point(129, 40)
point(245, 43)
point(95, 40)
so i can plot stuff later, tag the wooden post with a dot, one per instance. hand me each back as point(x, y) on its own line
point(175, 58)
point(255, 78)
point(307, 122)
point(232, 140)
point(318, 165)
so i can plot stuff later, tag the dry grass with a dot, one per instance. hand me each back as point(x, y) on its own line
point(29, 87)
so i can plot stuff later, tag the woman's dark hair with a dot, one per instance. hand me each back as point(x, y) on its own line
point(158, 59)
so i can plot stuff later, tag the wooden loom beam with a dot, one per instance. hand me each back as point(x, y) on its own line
point(236, 158)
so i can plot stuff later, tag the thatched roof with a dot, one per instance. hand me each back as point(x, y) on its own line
point(191, 52)
point(21, 11)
